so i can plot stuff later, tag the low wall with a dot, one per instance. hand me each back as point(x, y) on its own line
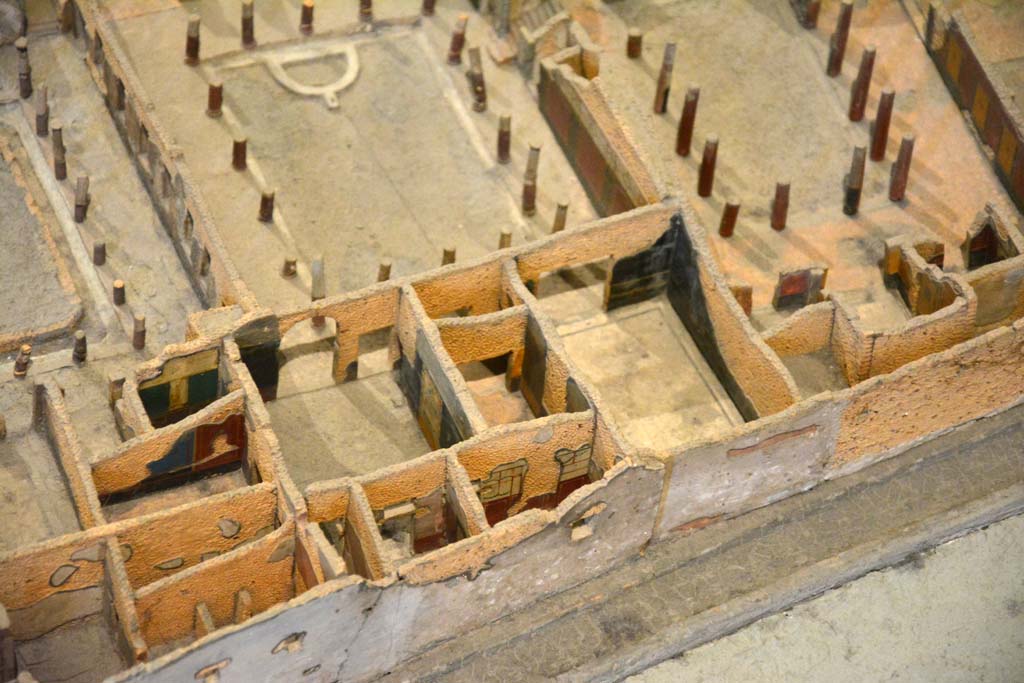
point(169, 451)
point(50, 414)
point(594, 142)
point(264, 568)
point(174, 540)
point(807, 330)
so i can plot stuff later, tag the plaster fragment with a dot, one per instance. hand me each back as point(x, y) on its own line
point(229, 528)
point(286, 548)
point(61, 575)
point(544, 435)
point(171, 564)
point(93, 553)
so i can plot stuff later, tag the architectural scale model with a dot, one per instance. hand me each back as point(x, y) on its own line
point(337, 332)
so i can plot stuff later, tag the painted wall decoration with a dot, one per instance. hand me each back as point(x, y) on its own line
point(184, 386)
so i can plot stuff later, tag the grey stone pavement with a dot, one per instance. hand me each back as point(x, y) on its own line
point(691, 590)
point(954, 614)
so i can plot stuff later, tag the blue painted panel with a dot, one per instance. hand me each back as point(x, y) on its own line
point(178, 458)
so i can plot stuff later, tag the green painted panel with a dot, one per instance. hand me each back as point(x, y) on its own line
point(202, 388)
point(156, 399)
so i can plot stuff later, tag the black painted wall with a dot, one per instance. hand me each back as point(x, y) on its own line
point(644, 275)
point(687, 299)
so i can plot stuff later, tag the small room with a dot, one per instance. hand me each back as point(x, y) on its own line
point(226, 589)
point(185, 385)
point(628, 353)
point(202, 455)
point(329, 428)
point(520, 470)
point(804, 344)
point(37, 503)
point(340, 521)
point(910, 270)
point(59, 602)
point(512, 374)
point(162, 544)
point(416, 507)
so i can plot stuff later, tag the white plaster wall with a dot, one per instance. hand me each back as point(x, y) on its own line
point(787, 454)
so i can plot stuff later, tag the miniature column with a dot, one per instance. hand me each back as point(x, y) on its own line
point(706, 180)
point(428, 8)
point(99, 253)
point(780, 206)
point(448, 256)
point(684, 136)
point(530, 181)
point(561, 214)
point(81, 350)
point(267, 206)
point(81, 198)
point(861, 85)
point(248, 25)
point(837, 43)
point(634, 43)
point(664, 79)
point(505, 239)
point(901, 170)
point(288, 269)
point(306, 19)
point(811, 14)
point(366, 10)
point(24, 68)
point(880, 126)
point(23, 360)
point(318, 290)
point(42, 113)
point(384, 270)
point(60, 164)
point(118, 292)
point(138, 331)
point(854, 182)
point(117, 86)
point(729, 216)
point(458, 40)
point(475, 75)
point(214, 99)
point(238, 154)
point(192, 40)
point(504, 139)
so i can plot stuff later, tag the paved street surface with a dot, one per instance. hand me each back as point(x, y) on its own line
point(953, 614)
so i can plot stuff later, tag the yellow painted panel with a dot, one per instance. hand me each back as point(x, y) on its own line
point(980, 109)
point(184, 367)
point(1007, 150)
point(953, 60)
point(179, 393)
